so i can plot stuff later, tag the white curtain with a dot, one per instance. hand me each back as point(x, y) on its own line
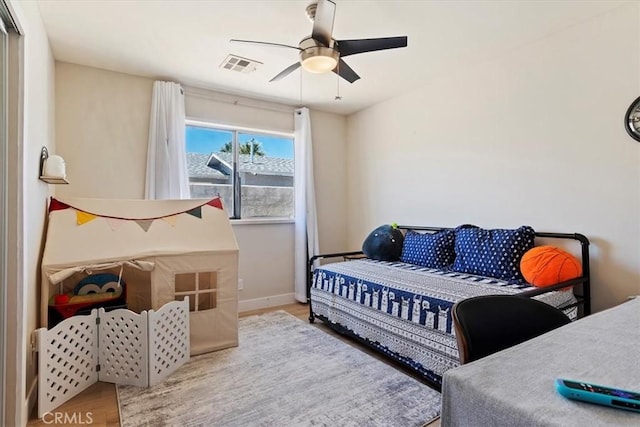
point(167, 173)
point(306, 225)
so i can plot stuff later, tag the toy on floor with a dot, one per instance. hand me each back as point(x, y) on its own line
point(97, 290)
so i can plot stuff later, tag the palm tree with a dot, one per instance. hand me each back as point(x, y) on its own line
point(245, 148)
point(226, 148)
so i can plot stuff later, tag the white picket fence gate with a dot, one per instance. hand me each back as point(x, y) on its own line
point(119, 347)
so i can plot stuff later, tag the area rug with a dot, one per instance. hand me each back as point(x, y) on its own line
point(285, 372)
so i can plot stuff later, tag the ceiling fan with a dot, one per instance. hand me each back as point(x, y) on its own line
point(320, 52)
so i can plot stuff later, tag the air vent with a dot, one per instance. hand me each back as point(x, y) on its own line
point(239, 64)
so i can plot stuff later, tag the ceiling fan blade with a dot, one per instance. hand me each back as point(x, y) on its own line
point(346, 72)
point(264, 43)
point(291, 68)
point(323, 21)
point(352, 47)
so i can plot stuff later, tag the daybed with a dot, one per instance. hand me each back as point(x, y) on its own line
point(404, 310)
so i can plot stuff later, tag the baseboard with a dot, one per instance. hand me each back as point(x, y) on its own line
point(265, 302)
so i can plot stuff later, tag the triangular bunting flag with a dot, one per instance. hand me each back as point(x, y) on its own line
point(171, 220)
point(57, 205)
point(144, 223)
point(84, 217)
point(114, 223)
point(216, 203)
point(197, 212)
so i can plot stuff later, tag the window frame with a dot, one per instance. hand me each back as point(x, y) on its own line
point(197, 292)
point(235, 214)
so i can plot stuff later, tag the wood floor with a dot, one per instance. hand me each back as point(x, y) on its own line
point(98, 406)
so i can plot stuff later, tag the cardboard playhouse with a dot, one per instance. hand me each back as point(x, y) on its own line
point(159, 250)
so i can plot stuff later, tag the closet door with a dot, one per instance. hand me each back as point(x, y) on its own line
point(3, 204)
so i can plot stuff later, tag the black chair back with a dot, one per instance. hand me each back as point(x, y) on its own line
point(487, 324)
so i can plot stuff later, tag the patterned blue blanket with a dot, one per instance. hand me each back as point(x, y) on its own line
point(405, 310)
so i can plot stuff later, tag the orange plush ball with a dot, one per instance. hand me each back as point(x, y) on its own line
point(548, 265)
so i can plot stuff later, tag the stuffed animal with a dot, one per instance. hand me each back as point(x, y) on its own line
point(92, 289)
point(384, 243)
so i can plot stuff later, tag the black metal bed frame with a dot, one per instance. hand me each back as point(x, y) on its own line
point(583, 298)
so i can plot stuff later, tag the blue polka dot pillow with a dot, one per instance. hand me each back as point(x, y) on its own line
point(493, 253)
point(434, 250)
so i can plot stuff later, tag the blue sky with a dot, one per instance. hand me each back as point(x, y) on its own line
point(205, 140)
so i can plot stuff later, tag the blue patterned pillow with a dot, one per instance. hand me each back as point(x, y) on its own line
point(434, 250)
point(492, 253)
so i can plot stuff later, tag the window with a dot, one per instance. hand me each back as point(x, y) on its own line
point(201, 288)
point(251, 170)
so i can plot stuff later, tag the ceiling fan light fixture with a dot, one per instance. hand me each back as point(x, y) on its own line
point(319, 59)
point(321, 53)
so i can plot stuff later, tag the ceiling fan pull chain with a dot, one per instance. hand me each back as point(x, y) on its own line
point(338, 97)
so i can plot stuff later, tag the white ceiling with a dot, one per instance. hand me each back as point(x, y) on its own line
point(187, 40)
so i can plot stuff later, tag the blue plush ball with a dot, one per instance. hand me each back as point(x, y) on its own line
point(384, 243)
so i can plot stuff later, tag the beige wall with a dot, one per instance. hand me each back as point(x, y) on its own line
point(533, 137)
point(102, 121)
point(328, 132)
point(265, 264)
point(37, 130)
point(201, 104)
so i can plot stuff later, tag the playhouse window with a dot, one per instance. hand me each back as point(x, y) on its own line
point(201, 288)
point(251, 170)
